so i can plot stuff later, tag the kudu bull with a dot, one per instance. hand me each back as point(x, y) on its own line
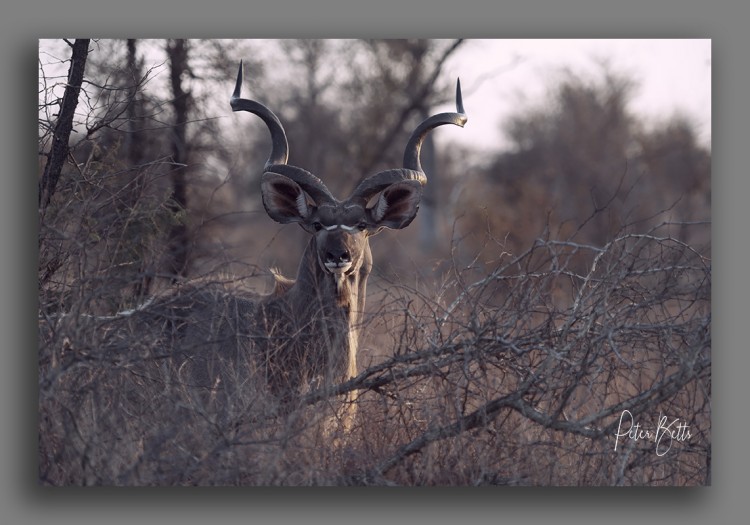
point(306, 330)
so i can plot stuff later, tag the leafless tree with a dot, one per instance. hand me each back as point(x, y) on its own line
point(64, 125)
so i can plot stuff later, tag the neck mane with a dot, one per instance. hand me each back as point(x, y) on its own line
point(319, 297)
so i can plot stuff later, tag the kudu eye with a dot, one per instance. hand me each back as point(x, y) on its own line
point(362, 226)
point(317, 226)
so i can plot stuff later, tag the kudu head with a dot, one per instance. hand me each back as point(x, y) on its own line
point(389, 199)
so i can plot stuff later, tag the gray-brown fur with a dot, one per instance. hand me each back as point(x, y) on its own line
point(296, 337)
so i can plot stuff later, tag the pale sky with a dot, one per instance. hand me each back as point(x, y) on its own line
point(502, 76)
point(672, 76)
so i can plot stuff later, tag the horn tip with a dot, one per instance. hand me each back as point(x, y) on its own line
point(238, 84)
point(459, 98)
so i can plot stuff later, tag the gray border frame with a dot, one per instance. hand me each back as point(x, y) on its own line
point(21, 500)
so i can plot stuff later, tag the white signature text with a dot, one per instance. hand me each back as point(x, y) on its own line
point(666, 432)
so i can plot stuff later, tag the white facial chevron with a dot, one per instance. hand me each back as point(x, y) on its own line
point(337, 226)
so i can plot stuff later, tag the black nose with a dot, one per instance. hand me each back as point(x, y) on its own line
point(338, 257)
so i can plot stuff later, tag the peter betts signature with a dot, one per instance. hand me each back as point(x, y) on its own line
point(665, 433)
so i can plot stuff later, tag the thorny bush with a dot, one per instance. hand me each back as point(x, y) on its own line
point(533, 371)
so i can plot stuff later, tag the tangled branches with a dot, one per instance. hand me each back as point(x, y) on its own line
point(567, 365)
point(545, 369)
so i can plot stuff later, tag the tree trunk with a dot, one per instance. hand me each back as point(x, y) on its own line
point(134, 136)
point(61, 136)
point(179, 241)
point(134, 150)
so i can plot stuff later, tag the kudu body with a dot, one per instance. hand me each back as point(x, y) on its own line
point(306, 330)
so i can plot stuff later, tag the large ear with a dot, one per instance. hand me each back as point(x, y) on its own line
point(284, 199)
point(397, 205)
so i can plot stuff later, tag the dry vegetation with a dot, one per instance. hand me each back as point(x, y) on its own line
point(506, 356)
point(514, 376)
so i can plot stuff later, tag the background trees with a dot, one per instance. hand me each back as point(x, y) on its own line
point(541, 290)
point(583, 153)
